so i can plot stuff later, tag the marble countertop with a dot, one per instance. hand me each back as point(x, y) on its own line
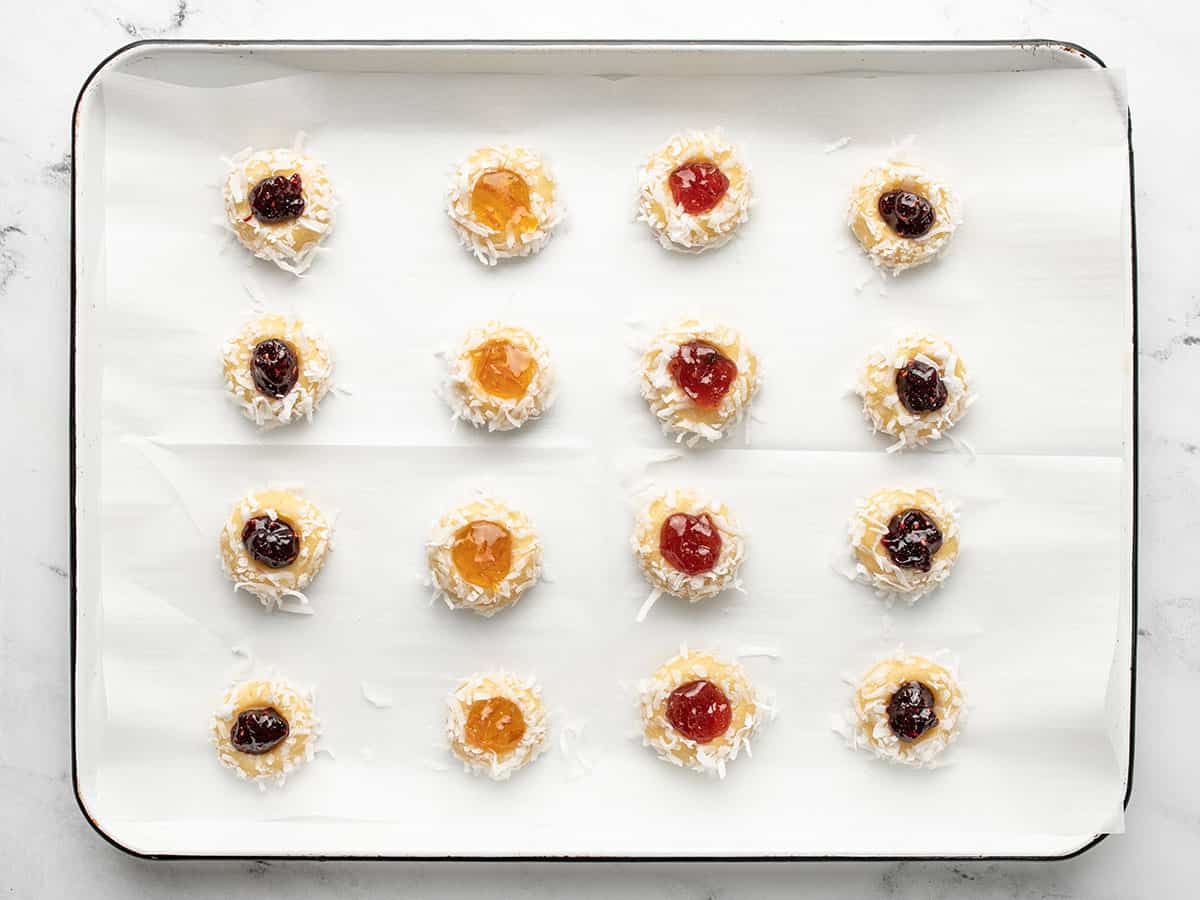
point(48, 850)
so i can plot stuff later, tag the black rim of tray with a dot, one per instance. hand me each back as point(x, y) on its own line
point(1047, 44)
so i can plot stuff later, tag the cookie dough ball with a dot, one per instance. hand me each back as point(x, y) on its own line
point(915, 391)
point(496, 723)
point(273, 545)
point(694, 192)
point(500, 378)
point(503, 202)
point(699, 712)
point(280, 204)
point(904, 542)
point(699, 377)
point(907, 709)
point(902, 216)
point(277, 370)
point(264, 729)
point(688, 546)
point(483, 556)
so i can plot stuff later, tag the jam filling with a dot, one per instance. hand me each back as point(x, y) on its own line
point(699, 710)
point(920, 387)
point(910, 711)
point(496, 725)
point(500, 200)
point(273, 542)
point(259, 730)
point(702, 372)
point(912, 539)
point(482, 553)
point(274, 367)
point(503, 369)
point(690, 543)
point(698, 186)
point(909, 215)
point(277, 199)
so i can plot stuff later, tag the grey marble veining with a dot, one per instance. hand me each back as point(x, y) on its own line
point(141, 28)
point(46, 848)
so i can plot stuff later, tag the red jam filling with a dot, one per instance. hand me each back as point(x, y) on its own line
point(699, 710)
point(690, 543)
point(702, 372)
point(698, 186)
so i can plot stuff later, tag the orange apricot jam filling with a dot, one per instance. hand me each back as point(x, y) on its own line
point(503, 369)
point(482, 553)
point(496, 725)
point(500, 199)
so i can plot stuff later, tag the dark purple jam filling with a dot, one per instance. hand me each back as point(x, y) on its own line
point(910, 711)
point(258, 730)
point(912, 539)
point(273, 542)
point(274, 367)
point(920, 387)
point(277, 199)
point(909, 215)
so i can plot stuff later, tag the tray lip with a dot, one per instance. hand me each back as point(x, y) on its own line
point(1058, 46)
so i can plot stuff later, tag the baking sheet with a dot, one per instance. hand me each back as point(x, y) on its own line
point(1034, 292)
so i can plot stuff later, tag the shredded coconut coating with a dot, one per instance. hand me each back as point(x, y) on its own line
point(272, 586)
point(486, 243)
point(866, 724)
point(674, 410)
point(291, 244)
point(525, 693)
point(680, 230)
point(471, 403)
point(881, 402)
point(746, 707)
point(887, 249)
point(294, 704)
point(456, 591)
point(870, 559)
point(662, 576)
point(316, 371)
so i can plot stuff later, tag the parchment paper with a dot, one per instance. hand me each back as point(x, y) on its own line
point(1033, 291)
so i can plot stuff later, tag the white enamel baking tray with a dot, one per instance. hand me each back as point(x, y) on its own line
point(151, 641)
